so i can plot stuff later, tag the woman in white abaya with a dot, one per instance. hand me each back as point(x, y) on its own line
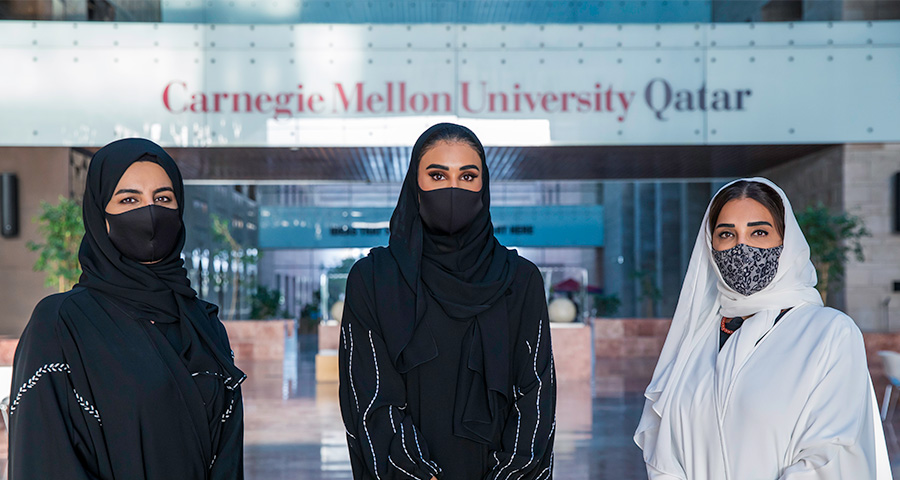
point(784, 393)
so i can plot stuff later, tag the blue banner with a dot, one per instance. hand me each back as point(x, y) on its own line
point(330, 227)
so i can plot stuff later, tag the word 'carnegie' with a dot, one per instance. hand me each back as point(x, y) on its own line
point(474, 98)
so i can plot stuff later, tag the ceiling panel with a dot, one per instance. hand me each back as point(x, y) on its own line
point(388, 164)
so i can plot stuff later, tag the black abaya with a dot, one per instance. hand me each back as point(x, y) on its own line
point(128, 376)
point(403, 424)
point(445, 360)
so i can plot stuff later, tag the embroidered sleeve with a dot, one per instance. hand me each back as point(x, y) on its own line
point(47, 414)
point(49, 369)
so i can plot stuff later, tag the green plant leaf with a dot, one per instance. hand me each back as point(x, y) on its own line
point(831, 237)
point(61, 228)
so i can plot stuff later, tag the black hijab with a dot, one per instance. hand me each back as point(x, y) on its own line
point(160, 291)
point(467, 273)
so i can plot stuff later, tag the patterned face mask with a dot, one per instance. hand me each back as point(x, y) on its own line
point(748, 269)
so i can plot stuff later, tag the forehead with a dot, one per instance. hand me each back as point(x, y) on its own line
point(451, 154)
point(744, 209)
point(145, 173)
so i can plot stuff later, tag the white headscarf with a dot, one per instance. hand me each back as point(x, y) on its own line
point(705, 297)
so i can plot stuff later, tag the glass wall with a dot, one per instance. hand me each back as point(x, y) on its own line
point(221, 251)
point(649, 228)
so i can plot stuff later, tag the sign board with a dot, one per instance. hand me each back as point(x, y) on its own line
point(203, 85)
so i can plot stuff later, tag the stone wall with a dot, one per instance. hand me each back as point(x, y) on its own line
point(259, 350)
point(255, 340)
point(855, 178)
point(868, 173)
point(811, 180)
point(626, 350)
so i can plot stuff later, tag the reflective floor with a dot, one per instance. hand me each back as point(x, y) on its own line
point(294, 430)
point(293, 427)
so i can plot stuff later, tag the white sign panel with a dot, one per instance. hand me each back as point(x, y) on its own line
point(350, 85)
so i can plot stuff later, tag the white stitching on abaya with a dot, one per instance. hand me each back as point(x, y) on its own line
point(53, 368)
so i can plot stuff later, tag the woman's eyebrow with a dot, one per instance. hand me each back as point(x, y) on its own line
point(439, 167)
point(163, 189)
point(756, 224)
point(725, 225)
point(470, 167)
point(128, 190)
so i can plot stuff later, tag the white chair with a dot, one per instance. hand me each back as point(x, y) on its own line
point(891, 361)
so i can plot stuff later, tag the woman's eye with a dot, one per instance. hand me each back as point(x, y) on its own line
point(163, 199)
point(437, 176)
point(760, 233)
point(129, 200)
point(469, 177)
point(725, 235)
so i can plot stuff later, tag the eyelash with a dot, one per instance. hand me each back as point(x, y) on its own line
point(469, 177)
point(724, 235)
point(160, 199)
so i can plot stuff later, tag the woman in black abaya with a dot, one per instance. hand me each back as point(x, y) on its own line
point(446, 369)
point(127, 376)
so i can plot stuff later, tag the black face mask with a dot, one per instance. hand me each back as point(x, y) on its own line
point(145, 234)
point(448, 211)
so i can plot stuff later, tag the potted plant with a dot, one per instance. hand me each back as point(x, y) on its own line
point(606, 305)
point(832, 238)
point(649, 292)
point(62, 228)
point(265, 303)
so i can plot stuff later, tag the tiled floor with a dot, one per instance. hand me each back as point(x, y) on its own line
point(293, 427)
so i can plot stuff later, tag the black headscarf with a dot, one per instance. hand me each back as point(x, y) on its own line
point(467, 273)
point(160, 291)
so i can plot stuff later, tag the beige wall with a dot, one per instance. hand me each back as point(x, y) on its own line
point(43, 175)
point(868, 171)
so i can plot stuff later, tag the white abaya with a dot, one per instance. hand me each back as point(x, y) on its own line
point(785, 400)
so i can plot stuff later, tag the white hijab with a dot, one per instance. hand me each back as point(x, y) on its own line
point(704, 298)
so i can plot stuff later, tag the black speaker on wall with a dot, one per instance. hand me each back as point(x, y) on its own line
point(897, 202)
point(9, 205)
